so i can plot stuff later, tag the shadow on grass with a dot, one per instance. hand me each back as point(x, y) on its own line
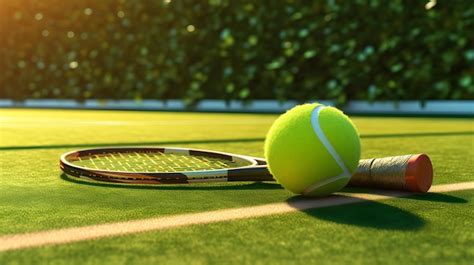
point(211, 141)
point(373, 214)
point(430, 196)
point(227, 186)
point(365, 213)
point(437, 197)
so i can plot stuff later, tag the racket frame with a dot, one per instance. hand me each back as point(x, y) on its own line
point(255, 171)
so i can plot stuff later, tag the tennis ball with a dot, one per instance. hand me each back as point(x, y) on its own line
point(312, 149)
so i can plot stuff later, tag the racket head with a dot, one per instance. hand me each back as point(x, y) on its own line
point(161, 165)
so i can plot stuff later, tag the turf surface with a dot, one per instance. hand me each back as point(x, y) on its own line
point(35, 196)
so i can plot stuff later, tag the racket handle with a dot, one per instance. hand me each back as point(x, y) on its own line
point(407, 172)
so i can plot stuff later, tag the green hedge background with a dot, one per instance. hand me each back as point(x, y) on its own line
point(236, 49)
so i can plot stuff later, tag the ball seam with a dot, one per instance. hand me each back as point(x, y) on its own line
point(324, 140)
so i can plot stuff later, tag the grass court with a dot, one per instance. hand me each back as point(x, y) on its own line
point(433, 228)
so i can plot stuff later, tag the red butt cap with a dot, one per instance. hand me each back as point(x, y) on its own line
point(419, 173)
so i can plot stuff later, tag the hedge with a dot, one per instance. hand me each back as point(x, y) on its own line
point(236, 49)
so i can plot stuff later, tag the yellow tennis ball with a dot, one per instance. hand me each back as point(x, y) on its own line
point(312, 149)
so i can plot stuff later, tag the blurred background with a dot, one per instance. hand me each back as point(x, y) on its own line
point(234, 49)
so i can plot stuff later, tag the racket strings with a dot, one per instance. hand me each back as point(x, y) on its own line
point(154, 162)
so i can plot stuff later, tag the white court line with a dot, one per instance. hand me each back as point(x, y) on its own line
point(75, 234)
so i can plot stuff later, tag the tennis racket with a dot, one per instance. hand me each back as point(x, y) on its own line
point(169, 165)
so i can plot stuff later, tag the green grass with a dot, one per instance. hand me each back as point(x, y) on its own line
point(34, 196)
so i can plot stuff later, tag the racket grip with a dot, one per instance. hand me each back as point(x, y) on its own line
point(408, 172)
